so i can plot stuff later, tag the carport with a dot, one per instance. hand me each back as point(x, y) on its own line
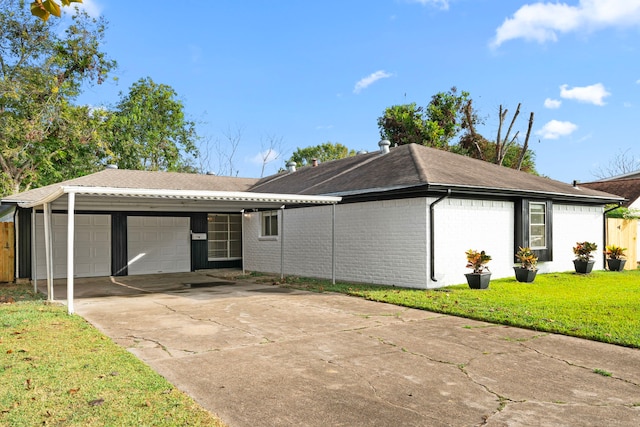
point(71, 199)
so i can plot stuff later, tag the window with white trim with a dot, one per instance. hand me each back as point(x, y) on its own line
point(538, 225)
point(269, 226)
point(533, 227)
point(224, 237)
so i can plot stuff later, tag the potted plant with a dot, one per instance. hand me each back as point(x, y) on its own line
point(477, 261)
point(526, 271)
point(615, 255)
point(583, 262)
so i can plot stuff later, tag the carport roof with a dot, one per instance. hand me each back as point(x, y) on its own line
point(164, 187)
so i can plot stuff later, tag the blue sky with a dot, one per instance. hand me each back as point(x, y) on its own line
point(288, 74)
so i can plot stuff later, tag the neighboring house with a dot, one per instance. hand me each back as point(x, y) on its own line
point(627, 186)
point(401, 217)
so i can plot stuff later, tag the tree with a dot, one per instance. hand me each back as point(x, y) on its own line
point(433, 126)
point(505, 151)
point(148, 130)
point(44, 9)
point(322, 153)
point(270, 151)
point(42, 68)
point(622, 163)
point(449, 115)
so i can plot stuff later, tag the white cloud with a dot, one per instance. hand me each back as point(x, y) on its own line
point(638, 81)
point(370, 79)
point(555, 129)
point(265, 157)
point(92, 8)
point(593, 94)
point(442, 4)
point(542, 22)
point(552, 104)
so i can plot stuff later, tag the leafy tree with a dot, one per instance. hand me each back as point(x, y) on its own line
point(42, 68)
point(148, 130)
point(449, 115)
point(323, 153)
point(433, 126)
point(44, 9)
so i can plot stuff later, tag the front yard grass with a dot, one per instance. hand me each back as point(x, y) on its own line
point(602, 306)
point(57, 369)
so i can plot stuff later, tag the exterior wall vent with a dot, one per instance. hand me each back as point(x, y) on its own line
point(384, 146)
point(291, 166)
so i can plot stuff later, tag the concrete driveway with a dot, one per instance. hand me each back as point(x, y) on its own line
point(260, 355)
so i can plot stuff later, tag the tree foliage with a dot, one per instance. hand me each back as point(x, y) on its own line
point(42, 68)
point(148, 129)
point(433, 126)
point(322, 153)
point(450, 115)
point(43, 9)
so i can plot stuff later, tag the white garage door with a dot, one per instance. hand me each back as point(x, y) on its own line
point(92, 249)
point(158, 244)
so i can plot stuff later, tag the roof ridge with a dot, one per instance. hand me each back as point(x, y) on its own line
point(419, 164)
point(352, 168)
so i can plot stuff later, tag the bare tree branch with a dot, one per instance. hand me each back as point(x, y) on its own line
point(525, 146)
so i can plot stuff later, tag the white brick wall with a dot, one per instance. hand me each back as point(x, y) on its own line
point(387, 242)
point(571, 224)
point(472, 224)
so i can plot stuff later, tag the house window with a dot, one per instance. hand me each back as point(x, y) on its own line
point(269, 223)
point(533, 227)
point(537, 225)
point(224, 237)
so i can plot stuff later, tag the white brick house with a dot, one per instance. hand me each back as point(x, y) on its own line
point(402, 217)
point(408, 215)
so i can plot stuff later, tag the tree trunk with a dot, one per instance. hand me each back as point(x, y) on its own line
point(525, 146)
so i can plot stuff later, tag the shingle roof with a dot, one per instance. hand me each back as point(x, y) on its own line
point(120, 178)
point(414, 165)
point(403, 168)
point(627, 188)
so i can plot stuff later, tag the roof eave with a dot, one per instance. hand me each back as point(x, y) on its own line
point(241, 196)
point(486, 191)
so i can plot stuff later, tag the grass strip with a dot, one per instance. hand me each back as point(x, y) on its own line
point(57, 369)
point(602, 306)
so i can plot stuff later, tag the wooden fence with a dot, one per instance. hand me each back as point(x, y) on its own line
point(624, 232)
point(7, 254)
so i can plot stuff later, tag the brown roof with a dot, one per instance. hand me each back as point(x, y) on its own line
point(404, 168)
point(627, 188)
point(121, 178)
point(417, 166)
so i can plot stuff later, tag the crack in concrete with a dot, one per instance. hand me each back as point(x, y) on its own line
point(156, 342)
point(590, 369)
point(502, 400)
point(375, 390)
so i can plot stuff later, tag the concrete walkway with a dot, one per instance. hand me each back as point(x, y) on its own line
point(260, 355)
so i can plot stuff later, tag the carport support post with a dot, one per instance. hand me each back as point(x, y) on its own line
point(70, 242)
point(242, 237)
point(333, 243)
point(34, 257)
point(47, 250)
point(282, 243)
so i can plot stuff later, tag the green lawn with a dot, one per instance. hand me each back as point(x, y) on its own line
point(57, 369)
point(602, 306)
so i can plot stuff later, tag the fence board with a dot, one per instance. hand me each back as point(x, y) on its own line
point(7, 254)
point(624, 232)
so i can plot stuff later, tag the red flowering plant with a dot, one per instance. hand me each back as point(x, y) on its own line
point(583, 250)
